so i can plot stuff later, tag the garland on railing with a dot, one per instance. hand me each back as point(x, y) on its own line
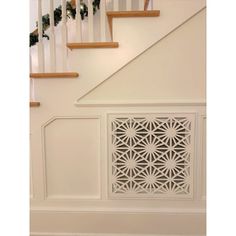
point(71, 12)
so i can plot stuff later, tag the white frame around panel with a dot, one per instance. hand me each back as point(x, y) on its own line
point(204, 157)
point(101, 113)
point(193, 159)
point(74, 197)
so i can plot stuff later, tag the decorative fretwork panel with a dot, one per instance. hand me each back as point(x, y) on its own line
point(151, 155)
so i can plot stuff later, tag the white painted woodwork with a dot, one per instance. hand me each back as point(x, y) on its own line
point(72, 157)
point(203, 163)
point(140, 5)
point(128, 5)
point(64, 36)
point(30, 61)
point(152, 5)
point(170, 58)
point(63, 136)
point(103, 21)
point(90, 21)
point(40, 39)
point(78, 139)
point(32, 90)
point(117, 223)
point(78, 22)
point(133, 43)
point(115, 5)
point(146, 150)
point(52, 39)
point(173, 16)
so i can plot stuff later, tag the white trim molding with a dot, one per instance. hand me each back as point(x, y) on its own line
point(143, 102)
point(92, 234)
point(67, 197)
point(135, 140)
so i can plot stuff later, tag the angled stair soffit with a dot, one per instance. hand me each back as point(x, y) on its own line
point(115, 89)
point(131, 45)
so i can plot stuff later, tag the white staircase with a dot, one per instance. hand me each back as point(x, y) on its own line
point(70, 155)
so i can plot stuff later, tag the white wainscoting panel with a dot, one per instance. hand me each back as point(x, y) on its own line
point(151, 155)
point(203, 166)
point(72, 158)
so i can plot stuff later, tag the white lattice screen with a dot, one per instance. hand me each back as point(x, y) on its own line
point(151, 155)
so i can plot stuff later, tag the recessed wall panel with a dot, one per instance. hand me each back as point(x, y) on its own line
point(72, 158)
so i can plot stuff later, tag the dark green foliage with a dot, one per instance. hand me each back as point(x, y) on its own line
point(83, 10)
point(57, 15)
point(71, 12)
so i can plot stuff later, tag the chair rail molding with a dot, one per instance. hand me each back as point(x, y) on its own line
point(122, 103)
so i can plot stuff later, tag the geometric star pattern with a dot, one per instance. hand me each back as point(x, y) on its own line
point(151, 155)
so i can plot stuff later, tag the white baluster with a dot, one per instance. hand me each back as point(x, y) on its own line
point(103, 20)
point(30, 61)
point(140, 5)
point(90, 21)
point(32, 94)
point(128, 5)
point(115, 5)
point(155, 4)
point(52, 39)
point(151, 4)
point(40, 38)
point(78, 22)
point(64, 36)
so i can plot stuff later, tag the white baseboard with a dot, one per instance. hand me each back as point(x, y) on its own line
point(118, 223)
point(84, 234)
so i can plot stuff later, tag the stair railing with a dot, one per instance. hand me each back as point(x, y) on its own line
point(51, 53)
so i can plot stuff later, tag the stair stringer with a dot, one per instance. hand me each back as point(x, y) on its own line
point(135, 36)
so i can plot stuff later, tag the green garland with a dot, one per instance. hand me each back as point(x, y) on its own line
point(71, 12)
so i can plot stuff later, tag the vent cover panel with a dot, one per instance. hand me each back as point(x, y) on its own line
point(151, 155)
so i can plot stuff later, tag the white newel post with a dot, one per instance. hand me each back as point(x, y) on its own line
point(40, 38)
point(128, 5)
point(78, 22)
point(64, 36)
point(115, 5)
point(103, 21)
point(90, 21)
point(52, 39)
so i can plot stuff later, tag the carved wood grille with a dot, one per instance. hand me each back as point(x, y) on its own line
point(151, 155)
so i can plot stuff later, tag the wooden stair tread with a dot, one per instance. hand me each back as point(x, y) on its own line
point(151, 13)
point(55, 75)
point(93, 45)
point(34, 104)
point(127, 14)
